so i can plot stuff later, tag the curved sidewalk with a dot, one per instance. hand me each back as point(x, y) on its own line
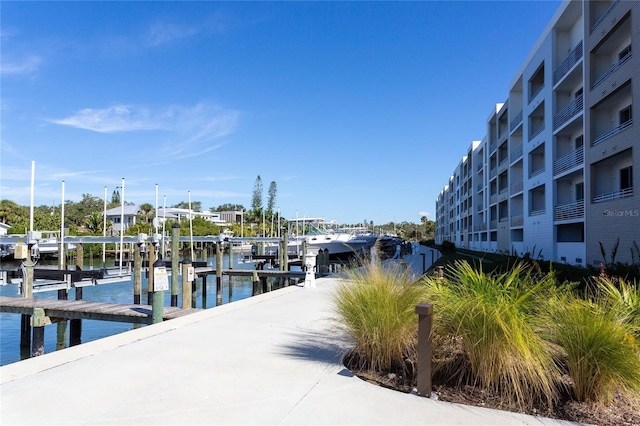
point(270, 359)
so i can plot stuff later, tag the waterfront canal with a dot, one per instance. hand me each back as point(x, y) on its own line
point(120, 292)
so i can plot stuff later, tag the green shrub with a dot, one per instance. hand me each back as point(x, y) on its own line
point(485, 332)
point(598, 334)
point(447, 247)
point(376, 305)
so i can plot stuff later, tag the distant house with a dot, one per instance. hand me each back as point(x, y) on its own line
point(232, 216)
point(130, 217)
point(4, 228)
point(179, 214)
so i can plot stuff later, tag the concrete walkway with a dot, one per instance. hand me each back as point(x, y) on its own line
point(270, 359)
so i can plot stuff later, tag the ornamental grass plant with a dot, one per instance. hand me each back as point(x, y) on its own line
point(598, 333)
point(485, 330)
point(376, 305)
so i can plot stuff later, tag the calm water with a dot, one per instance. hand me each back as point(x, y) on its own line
point(121, 292)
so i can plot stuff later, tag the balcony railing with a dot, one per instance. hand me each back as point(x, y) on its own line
point(479, 207)
point(604, 15)
point(493, 224)
point(493, 146)
point(568, 63)
point(493, 173)
point(503, 190)
point(569, 161)
point(612, 132)
point(503, 133)
point(536, 212)
point(611, 70)
point(504, 219)
point(480, 187)
point(479, 168)
point(503, 161)
point(493, 199)
point(517, 220)
point(572, 210)
point(627, 192)
point(516, 153)
point(536, 132)
point(534, 94)
point(567, 112)
point(516, 187)
point(536, 172)
point(516, 121)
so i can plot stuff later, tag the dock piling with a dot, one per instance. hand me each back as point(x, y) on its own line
point(137, 277)
point(175, 238)
point(186, 284)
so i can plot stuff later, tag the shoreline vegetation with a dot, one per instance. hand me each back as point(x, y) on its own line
point(521, 339)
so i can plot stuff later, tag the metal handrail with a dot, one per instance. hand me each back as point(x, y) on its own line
point(611, 70)
point(516, 153)
point(537, 132)
point(569, 161)
point(627, 192)
point(612, 132)
point(536, 93)
point(570, 210)
point(536, 172)
point(516, 121)
point(571, 59)
point(604, 15)
point(517, 220)
point(516, 187)
point(567, 112)
point(536, 212)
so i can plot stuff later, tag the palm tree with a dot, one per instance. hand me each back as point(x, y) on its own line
point(94, 222)
point(146, 208)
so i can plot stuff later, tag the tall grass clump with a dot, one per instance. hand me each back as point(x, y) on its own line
point(376, 305)
point(486, 332)
point(598, 332)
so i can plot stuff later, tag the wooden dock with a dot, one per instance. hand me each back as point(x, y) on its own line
point(81, 309)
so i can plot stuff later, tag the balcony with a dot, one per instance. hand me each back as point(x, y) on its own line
point(612, 132)
point(569, 161)
point(567, 112)
point(516, 187)
point(503, 134)
point(611, 70)
point(516, 153)
point(536, 132)
point(493, 224)
point(568, 63)
point(504, 219)
point(479, 168)
point(493, 146)
point(493, 199)
point(536, 212)
point(604, 15)
point(536, 172)
point(623, 193)
point(480, 187)
point(517, 220)
point(517, 120)
point(574, 210)
point(493, 173)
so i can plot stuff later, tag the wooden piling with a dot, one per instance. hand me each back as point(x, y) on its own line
point(186, 284)
point(61, 326)
point(27, 293)
point(157, 307)
point(175, 238)
point(137, 276)
point(255, 281)
point(75, 325)
point(219, 256)
point(152, 259)
point(39, 321)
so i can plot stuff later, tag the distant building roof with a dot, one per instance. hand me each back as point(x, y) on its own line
point(129, 210)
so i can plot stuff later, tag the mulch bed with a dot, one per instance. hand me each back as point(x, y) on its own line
point(619, 413)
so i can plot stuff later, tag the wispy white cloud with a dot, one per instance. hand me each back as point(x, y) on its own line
point(24, 66)
point(188, 128)
point(163, 33)
point(427, 214)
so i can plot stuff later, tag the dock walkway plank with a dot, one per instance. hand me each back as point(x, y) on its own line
point(80, 309)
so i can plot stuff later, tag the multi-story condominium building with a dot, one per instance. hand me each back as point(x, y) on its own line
point(554, 174)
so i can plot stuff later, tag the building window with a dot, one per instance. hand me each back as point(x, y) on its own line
point(624, 52)
point(578, 93)
point(626, 178)
point(580, 191)
point(625, 115)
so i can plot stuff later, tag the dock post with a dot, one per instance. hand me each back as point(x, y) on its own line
point(203, 251)
point(219, 256)
point(175, 237)
point(255, 281)
point(61, 326)
point(137, 278)
point(425, 318)
point(27, 293)
point(186, 284)
point(160, 285)
point(152, 260)
point(39, 321)
point(75, 326)
point(285, 258)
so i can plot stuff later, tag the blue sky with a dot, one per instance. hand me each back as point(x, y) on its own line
point(357, 110)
